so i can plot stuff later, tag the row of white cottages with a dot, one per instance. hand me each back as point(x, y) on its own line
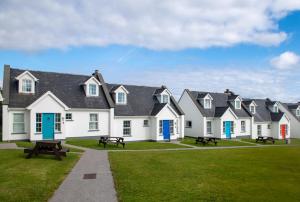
point(40, 105)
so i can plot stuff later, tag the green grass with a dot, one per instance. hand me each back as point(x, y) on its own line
point(277, 142)
point(32, 179)
point(221, 143)
point(248, 174)
point(93, 144)
point(27, 144)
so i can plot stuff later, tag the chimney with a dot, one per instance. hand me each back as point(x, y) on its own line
point(268, 100)
point(228, 92)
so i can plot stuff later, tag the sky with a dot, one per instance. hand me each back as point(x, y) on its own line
point(250, 47)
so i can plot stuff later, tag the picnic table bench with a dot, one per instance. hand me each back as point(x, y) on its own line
point(206, 140)
point(264, 139)
point(47, 147)
point(114, 140)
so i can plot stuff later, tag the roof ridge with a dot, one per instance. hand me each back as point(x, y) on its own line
point(49, 72)
point(133, 85)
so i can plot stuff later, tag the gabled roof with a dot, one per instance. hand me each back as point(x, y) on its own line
point(291, 107)
point(66, 87)
point(220, 102)
point(117, 87)
point(28, 73)
point(94, 79)
point(263, 113)
point(142, 101)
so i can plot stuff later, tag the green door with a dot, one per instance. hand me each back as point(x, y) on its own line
point(48, 126)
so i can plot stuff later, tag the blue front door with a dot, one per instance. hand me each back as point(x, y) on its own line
point(166, 129)
point(228, 129)
point(48, 126)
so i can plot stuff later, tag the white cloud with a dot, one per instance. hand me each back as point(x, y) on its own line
point(286, 60)
point(155, 24)
point(252, 83)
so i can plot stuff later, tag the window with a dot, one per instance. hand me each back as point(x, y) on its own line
point(269, 126)
point(93, 89)
point(275, 108)
point(252, 109)
point(146, 123)
point(126, 128)
point(121, 98)
point(298, 112)
point(188, 124)
point(208, 127)
point(93, 124)
point(18, 123)
point(177, 126)
point(26, 86)
point(207, 103)
point(259, 130)
point(69, 117)
point(238, 104)
point(165, 98)
point(57, 122)
point(38, 122)
point(224, 127)
point(160, 127)
point(171, 127)
point(232, 127)
point(243, 126)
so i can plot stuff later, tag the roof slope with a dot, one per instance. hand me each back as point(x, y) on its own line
point(67, 87)
point(291, 107)
point(141, 101)
point(220, 103)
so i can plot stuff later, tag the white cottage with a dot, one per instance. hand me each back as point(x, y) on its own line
point(292, 110)
point(269, 120)
point(45, 105)
point(219, 115)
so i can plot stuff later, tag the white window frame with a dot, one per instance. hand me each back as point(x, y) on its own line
point(165, 98)
point(171, 123)
point(252, 107)
point(160, 127)
point(146, 123)
point(298, 112)
point(207, 103)
point(275, 108)
point(259, 130)
point(38, 122)
point(188, 124)
point(69, 116)
point(91, 92)
point(232, 127)
point(127, 128)
point(93, 123)
point(121, 100)
point(57, 121)
point(209, 129)
point(269, 126)
point(238, 104)
point(20, 123)
point(243, 126)
point(25, 87)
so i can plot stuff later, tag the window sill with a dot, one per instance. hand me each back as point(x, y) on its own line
point(69, 120)
point(93, 130)
point(146, 126)
point(38, 133)
point(21, 133)
point(57, 132)
point(127, 136)
point(188, 127)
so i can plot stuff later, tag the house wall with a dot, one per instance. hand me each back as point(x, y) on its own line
point(247, 133)
point(294, 123)
point(79, 126)
point(193, 114)
point(276, 131)
point(228, 116)
point(264, 129)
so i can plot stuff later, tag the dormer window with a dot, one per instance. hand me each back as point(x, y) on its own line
point(238, 104)
point(26, 86)
point(92, 89)
point(121, 98)
point(207, 103)
point(252, 109)
point(275, 108)
point(298, 112)
point(165, 99)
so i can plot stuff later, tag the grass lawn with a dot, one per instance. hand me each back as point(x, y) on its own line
point(221, 143)
point(93, 143)
point(248, 174)
point(27, 144)
point(32, 179)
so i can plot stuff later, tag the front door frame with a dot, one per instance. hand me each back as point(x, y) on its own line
point(166, 130)
point(228, 129)
point(48, 121)
point(283, 131)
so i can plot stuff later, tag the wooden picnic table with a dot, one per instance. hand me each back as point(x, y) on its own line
point(47, 147)
point(206, 140)
point(113, 140)
point(264, 139)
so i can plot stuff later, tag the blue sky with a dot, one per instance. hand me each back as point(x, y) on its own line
point(262, 62)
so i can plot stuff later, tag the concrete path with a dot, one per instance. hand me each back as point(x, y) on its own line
point(9, 146)
point(76, 189)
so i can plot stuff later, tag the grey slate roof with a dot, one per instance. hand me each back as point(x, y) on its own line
point(67, 87)
point(220, 103)
point(141, 101)
point(290, 107)
point(263, 114)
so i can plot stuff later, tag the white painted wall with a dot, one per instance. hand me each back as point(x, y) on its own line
point(228, 116)
point(294, 123)
point(276, 130)
point(248, 122)
point(193, 114)
point(264, 128)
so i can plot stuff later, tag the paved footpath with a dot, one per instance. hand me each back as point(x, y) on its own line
point(76, 189)
point(9, 146)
